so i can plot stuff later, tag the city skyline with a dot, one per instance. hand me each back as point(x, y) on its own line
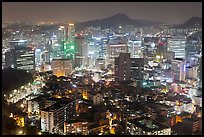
point(86, 11)
point(123, 72)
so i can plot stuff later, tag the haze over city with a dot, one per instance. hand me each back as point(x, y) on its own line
point(166, 12)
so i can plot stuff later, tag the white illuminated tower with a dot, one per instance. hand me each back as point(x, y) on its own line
point(70, 32)
point(178, 45)
point(62, 33)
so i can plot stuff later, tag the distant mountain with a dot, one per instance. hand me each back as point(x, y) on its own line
point(114, 21)
point(191, 23)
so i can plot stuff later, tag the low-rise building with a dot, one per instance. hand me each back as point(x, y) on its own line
point(147, 126)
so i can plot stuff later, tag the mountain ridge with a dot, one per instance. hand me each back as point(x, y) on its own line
point(191, 22)
point(116, 20)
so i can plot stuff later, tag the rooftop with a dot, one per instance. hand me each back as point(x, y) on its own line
point(147, 124)
point(58, 105)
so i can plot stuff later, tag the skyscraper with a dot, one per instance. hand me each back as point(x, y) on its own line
point(137, 68)
point(122, 67)
point(178, 66)
point(135, 48)
point(20, 56)
point(81, 55)
point(178, 45)
point(62, 33)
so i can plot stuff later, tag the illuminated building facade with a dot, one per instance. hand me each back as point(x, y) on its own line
point(137, 68)
point(66, 46)
point(178, 66)
point(62, 33)
point(18, 43)
point(115, 50)
point(97, 99)
point(76, 127)
point(192, 72)
point(23, 58)
point(135, 48)
point(193, 47)
point(178, 45)
point(53, 117)
point(61, 67)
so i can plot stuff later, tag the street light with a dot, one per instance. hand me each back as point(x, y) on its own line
point(20, 132)
point(22, 105)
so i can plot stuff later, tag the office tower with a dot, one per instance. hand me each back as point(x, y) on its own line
point(178, 67)
point(62, 33)
point(46, 57)
point(81, 55)
point(61, 67)
point(178, 45)
point(122, 67)
point(192, 72)
point(23, 58)
point(70, 31)
point(194, 45)
point(66, 46)
point(137, 68)
point(114, 50)
point(18, 43)
point(135, 48)
point(3, 59)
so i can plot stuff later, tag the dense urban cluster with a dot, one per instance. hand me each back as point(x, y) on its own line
point(123, 80)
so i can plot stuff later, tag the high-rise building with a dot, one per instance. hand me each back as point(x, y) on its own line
point(23, 58)
point(18, 43)
point(191, 124)
point(122, 67)
point(135, 48)
point(61, 67)
point(115, 50)
point(178, 66)
point(194, 45)
point(54, 116)
point(66, 45)
point(70, 31)
point(81, 55)
point(3, 58)
point(192, 72)
point(178, 45)
point(137, 68)
point(62, 33)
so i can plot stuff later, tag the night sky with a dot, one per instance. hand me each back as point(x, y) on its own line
point(166, 12)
